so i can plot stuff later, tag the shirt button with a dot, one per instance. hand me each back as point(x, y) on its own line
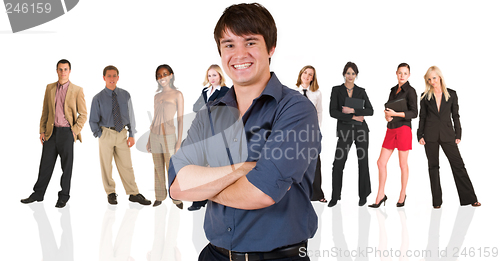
point(235, 140)
point(228, 229)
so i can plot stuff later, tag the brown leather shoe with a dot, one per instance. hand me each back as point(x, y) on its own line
point(112, 199)
point(139, 198)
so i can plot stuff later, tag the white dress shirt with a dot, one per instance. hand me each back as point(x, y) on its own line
point(315, 98)
point(210, 90)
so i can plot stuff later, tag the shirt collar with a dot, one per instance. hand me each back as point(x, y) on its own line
point(209, 87)
point(404, 87)
point(110, 92)
point(273, 89)
point(301, 88)
point(64, 86)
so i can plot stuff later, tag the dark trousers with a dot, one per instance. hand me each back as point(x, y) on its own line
point(209, 253)
point(59, 144)
point(462, 181)
point(345, 140)
point(317, 191)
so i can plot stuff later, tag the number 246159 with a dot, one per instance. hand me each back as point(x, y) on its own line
point(25, 8)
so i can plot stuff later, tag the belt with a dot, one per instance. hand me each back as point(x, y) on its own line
point(282, 252)
point(112, 128)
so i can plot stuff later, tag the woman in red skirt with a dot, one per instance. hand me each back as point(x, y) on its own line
point(398, 135)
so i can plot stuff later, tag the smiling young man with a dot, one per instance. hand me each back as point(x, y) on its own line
point(110, 113)
point(261, 141)
point(63, 116)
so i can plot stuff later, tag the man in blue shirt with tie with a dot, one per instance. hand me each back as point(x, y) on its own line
point(110, 113)
point(261, 142)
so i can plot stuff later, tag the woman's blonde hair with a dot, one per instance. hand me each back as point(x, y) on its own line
point(217, 69)
point(314, 83)
point(429, 90)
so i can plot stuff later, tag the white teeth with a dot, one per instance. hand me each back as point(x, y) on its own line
point(242, 66)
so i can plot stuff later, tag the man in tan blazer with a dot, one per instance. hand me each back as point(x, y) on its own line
point(63, 115)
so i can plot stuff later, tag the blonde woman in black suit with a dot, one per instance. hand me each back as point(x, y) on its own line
point(435, 129)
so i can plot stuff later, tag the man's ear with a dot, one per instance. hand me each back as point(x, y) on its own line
point(271, 52)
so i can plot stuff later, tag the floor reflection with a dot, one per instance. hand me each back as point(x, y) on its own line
point(165, 235)
point(50, 250)
point(339, 237)
point(314, 244)
point(381, 217)
point(120, 250)
point(198, 235)
point(463, 220)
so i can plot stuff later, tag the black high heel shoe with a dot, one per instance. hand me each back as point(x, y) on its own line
point(379, 203)
point(401, 204)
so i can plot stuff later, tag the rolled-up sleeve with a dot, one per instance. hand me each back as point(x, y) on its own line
point(293, 144)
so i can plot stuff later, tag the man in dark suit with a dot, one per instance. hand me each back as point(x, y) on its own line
point(63, 115)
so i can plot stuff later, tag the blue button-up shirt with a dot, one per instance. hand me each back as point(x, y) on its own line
point(102, 107)
point(280, 132)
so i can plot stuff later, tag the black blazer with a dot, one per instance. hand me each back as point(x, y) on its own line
point(337, 100)
point(203, 97)
point(434, 125)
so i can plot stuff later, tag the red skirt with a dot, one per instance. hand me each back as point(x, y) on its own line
point(399, 138)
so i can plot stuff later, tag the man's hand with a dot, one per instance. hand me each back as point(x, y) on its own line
point(130, 142)
point(421, 141)
point(42, 138)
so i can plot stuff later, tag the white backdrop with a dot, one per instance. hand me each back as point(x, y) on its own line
point(460, 37)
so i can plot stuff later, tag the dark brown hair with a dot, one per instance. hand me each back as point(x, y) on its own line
point(403, 65)
point(352, 66)
point(244, 19)
point(108, 68)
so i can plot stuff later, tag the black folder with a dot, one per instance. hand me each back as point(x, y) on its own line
point(354, 103)
point(398, 105)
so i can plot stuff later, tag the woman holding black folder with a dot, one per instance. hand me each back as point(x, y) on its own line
point(398, 135)
point(351, 127)
point(435, 129)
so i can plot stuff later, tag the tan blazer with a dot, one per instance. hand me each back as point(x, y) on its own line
point(75, 110)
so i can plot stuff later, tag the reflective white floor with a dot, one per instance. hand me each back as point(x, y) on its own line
point(88, 230)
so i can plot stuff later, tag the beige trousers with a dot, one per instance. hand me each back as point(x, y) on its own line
point(114, 145)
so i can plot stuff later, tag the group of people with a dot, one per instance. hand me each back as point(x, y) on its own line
point(258, 205)
point(349, 104)
point(111, 119)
